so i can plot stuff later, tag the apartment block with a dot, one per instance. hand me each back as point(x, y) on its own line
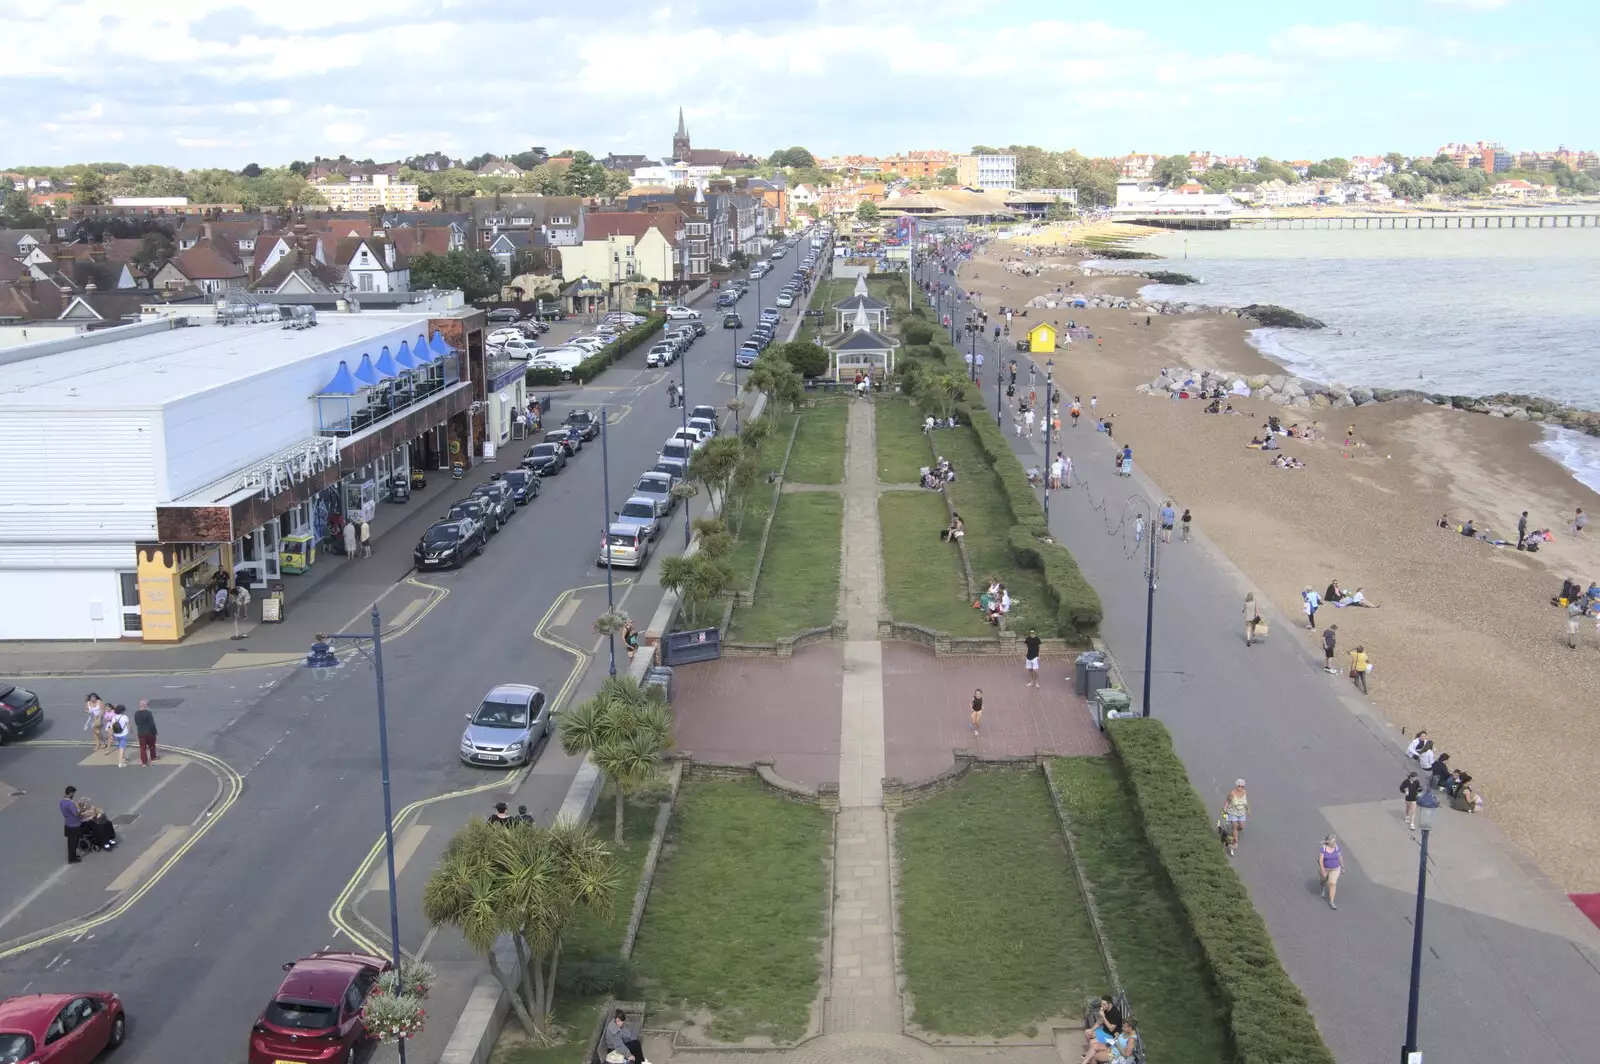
point(997, 172)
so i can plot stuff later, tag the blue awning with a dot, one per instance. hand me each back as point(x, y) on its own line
point(365, 373)
point(403, 359)
point(385, 364)
point(342, 384)
point(420, 351)
point(440, 348)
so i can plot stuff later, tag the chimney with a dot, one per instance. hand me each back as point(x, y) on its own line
point(205, 230)
point(97, 253)
point(388, 254)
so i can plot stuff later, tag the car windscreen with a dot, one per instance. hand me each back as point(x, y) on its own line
point(15, 1047)
point(654, 485)
point(441, 534)
point(557, 436)
point(638, 509)
point(460, 510)
point(302, 1015)
point(494, 714)
point(543, 450)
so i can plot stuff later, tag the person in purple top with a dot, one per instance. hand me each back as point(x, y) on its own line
point(1330, 862)
point(73, 825)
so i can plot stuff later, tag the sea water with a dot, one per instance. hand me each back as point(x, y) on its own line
point(1457, 311)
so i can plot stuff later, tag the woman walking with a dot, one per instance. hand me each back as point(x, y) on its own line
point(1410, 789)
point(1312, 600)
point(1235, 810)
point(1252, 618)
point(977, 710)
point(94, 719)
point(1330, 862)
point(1359, 667)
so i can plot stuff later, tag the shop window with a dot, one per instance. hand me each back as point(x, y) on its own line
point(132, 617)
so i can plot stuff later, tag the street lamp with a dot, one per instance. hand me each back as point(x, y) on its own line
point(1049, 367)
point(605, 531)
point(1427, 812)
point(683, 401)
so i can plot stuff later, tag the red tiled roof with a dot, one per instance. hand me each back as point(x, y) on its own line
point(433, 238)
point(206, 262)
point(36, 302)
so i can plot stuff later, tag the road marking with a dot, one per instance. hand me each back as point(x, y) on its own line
point(405, 848)
point(170, 836)
point(568, 611)
point(402, 618)
point(153, 791)
point(427, 940)
point(6, 794)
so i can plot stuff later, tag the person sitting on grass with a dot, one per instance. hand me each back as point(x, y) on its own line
point(956, 529)
point(1100, 1035)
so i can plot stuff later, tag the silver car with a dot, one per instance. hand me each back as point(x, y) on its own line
point(641, 511)
point(656, 487)
point(507, 728)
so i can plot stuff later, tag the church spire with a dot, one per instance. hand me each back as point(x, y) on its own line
point(682, 132)
point(680, 140)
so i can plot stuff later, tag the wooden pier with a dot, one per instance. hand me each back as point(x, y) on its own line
point(1430, 220)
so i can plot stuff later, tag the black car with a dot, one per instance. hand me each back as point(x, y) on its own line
point(20, 712)
point(546, 459)
point(732, 321)
point(696, 324)
point(479, 510)
point(568, 439)
point(585, 420)
point(448, 544)
point(499, 498)
point(503, 314)
point(524, 484)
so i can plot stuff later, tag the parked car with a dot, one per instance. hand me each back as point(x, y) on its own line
point(517, 349)
point(316, 1013)
point(746, 356)
point(660, 354)
point(687, 335)
point(727, 299)
point(592, 344)
point(510, 332)
point(693, 437)
point(499, 497)
point(478, 510)
point(569, 442)
point(732, 321)
point(503, 314)
point(545, 459)
point(507, 727)
point(697, 326)
point(624, 546)
point(640, 511)
point(706, 411)
point(771, 316)
point(524, 484)
point(707, 428)
point(679, 449)
point(585, 421)
point(65, 1028)
point(20, 713)
point(681, 314)
point(785, 299)
point(657, 487)
point(448, 545)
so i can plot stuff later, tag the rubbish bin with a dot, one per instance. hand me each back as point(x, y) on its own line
point(1097, 677)
point(1106, 701)
point(1080, 672)
point(660, 676)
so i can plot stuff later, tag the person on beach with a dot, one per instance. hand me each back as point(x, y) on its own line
point(1329, 638)
point(1252, 617)
point(1235, 811)
point(1169, 518)
point(1311, 600)
point(977, 709)
point(1418, 741)
point(1580, 521)
point(1574, 618)
point(1187, 518)
point(1359, 667)
point(1330, 862)
point(1522, 531)
point(1410, 790)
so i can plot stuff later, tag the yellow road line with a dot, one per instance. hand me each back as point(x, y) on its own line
point(232, 786)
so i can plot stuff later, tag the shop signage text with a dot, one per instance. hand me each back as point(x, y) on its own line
point(287, 468)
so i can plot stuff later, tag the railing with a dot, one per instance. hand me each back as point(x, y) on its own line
point(382, 405)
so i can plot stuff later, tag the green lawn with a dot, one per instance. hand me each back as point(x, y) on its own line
point(1158, 959)
point(818, 456)
point(799, 585)
point(902, 446)
point(921, 574)
point(590, 939)
point(995, 936)
point(737, 915)
point(747, 525)
point(983, 509)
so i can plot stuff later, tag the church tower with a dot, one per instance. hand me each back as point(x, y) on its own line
point(680, 140)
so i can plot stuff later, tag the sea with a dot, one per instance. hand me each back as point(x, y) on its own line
point(1456, 311)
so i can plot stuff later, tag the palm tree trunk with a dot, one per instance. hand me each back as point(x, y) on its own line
point(550, 983)
point(619, 814)
point(531, 989)
point(514, 992)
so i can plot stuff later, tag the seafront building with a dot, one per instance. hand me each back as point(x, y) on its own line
point(989, 172)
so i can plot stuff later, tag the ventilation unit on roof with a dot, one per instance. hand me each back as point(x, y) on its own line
point(241, 308)
point(298, 317)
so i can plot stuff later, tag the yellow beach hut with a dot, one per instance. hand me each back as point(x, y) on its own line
point(1042, 338)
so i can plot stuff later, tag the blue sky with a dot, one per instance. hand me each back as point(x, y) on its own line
point(227, 82)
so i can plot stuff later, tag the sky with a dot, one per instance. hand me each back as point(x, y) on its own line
point(223, 83)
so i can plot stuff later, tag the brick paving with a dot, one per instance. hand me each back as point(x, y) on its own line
point(741, 709)
point(927, 709)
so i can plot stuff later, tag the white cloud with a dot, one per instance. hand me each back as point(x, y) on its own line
point(1474, 5)
point(1357, 41)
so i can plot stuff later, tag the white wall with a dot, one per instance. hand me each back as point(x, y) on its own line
point(57, 604)
point(79, 475)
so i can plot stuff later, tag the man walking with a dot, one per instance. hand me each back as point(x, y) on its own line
point(1031, 661)
point(72, 825)
point(1329, 639)
point(366, 539)
point(1027, 421)
point(1522, 530)
point(144, 722)
point(241, 609)
point(1169, 518)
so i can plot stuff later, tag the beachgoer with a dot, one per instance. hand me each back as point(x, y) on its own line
point(1359, 667)
point(1410, 789)
point(1187, 518)
point(1235, 811)
point(1252, 618)
point(1330, 862)
point(1580, 521)
point(1522, 530)
point(1312, 600)
point(1329, 638)
point(1169, 518)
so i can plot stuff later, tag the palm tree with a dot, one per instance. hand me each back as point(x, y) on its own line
point(527, 882)
point(677, 574)
point(624, 729)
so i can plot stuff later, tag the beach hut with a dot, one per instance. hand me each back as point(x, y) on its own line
point(1042, 338)
point(862, 350)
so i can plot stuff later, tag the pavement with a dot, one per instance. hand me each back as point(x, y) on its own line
point(1511, 970)
point(285, 870)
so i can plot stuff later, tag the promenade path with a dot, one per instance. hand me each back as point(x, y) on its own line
point(1511, 969)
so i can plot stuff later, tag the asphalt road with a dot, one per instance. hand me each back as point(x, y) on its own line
point(197, 958)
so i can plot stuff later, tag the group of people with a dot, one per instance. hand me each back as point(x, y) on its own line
point(930, 423)
point(995, 603)
point(110, 727)
point(1110, 1038)
point(1578, 604)
point(85, 825)
point(938, 475)
point(1230, 830)
point(1441, 776)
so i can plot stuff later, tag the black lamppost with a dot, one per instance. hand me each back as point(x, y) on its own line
point(1149, 614)
point(1427, 811)
point(999, 403)
point(1049, 367)
point(605, 531)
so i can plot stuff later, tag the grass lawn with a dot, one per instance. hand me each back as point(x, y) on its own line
point(922, 575)
point(982, 506)
point(996, 938)
point(818, 456)
point(742, 558)
point(588, 940)
point(902, 447)
point(799, 586)
point(1159, 961)
point(738, 912)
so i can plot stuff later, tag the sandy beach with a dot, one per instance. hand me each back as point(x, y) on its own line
point(1465, 643)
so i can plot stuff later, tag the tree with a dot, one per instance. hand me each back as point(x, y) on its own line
point(618, 183)
point(698, 579)
point(1058, 211)
point(91, 189)
point(155, 251)
point(543, 180)
point(1396, 161)
point(527, 160)
point(746, 474)
point(945, 176)
point(251, 170)
point(713, 464)
point(624, 729)
point(940, 391)
point(776, 378)
point(476, 162)
point(807, 358)
point(476, 273)
point(1171, 171)
point(585, 177)
point(527, 882)
point(299, 166)
point(868, 212)
point(794, 157)
point(17, 213)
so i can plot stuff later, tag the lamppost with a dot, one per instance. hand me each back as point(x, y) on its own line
point(322, 657)
point(683, 401)
point(605, 531)
point(999, 403)
point(1427, 811)
point(735, 403)
point(1149, 612)
point(1049, 367)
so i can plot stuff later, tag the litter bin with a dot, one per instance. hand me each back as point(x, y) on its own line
point(1080, 671)
point(660, 676)
point(1106, 701)
point(1097, 677)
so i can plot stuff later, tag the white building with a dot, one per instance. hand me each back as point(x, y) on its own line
point(673, 175)
point(1140, 199)
point(365, 193)
point(997, 172)
point(165, 455)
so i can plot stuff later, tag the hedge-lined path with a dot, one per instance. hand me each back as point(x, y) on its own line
point(1317, 760)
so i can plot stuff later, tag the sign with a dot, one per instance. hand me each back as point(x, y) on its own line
point(304, 460)
point(684, 648)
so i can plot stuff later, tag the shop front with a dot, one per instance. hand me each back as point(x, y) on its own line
point(505, 397)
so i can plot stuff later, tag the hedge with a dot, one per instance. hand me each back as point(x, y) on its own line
point(590, 368)
point(1269, 1017)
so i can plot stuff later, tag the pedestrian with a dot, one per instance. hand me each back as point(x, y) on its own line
point(144, 723)
point(94, 715)
point(1094, 403)
point(977, 710)
point(1410, 789)
point(630, 639)
point(1066, 471)
point(366, 539)
point(72, 824)
point(120, 728)
point(1030, 662)
point(241, 609)
point(1522, 530)
point(500, 816)
point(1138, 530)
point(1329, 638)
point(1574, 618)
point(1359, 667)
point(1330, 862)
point(1186, 519)
point(350, 539)
point(1235, 811)
point(1580, 521)
point(1033, 374)
point(1252, 618)
point(523, 816)
point(1311, 601)
point(219, 602)
point(1057, 470)
point(1027, 421)
point(1169, 518)
point(621, 1041)
point(1418, 741)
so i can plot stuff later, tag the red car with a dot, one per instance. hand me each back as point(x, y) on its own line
point(60, 1028)
point(316, 1013)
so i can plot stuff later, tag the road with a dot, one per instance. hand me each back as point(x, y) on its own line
point(198, 957)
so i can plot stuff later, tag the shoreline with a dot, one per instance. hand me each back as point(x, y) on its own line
point(1465, 642)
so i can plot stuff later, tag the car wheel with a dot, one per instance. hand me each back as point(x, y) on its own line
point(119, 1031)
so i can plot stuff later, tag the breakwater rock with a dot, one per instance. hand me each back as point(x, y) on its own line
point(1279, 317)
point(1168, 277)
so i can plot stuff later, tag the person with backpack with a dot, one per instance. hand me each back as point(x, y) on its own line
point(121, 728)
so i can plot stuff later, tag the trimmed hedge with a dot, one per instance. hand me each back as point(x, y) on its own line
point(1269, 1017)
point(591, 367)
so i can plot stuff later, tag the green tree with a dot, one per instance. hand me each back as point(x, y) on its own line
point(712, 465)
point(17, 213)
point(543, 180)
point(251, 170)
point(91, 189)
point(697, 579)
point(155, 251)
point(775, 377)
point(477, 274)
point(746, 476)
point(1172, 171)
point(1058, 211)
point(624, 728)
point(1396, 161)
point(618, 183)
point(530, 883)
point(945, 176)
point(530, 158)
point(585, 177)
point(808, 359)
point(868, 212)
point(940, 391)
